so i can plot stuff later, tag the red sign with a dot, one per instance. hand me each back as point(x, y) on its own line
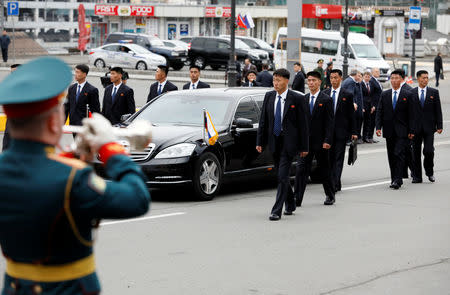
point(124, 10)
point(321, 11)
point(214, 11)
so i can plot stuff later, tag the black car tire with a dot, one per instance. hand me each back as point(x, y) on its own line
point(142, 66)
point(99, 63)
point(177, 66)
point(207, 177)
point(200, 62)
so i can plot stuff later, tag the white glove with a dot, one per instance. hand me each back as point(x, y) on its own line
point(98, 131)
point(139, 134)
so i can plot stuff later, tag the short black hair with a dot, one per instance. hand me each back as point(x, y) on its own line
point(164, 68)
point(315, 74)
point(118, 70)
point(82, 67)
point(336, 71)
point(297, 64)
point(420, 73)
point(251, 72)
point(282, 73)
point(194, 67)
point(13, 66)
point(265, 66)
point(398, 72)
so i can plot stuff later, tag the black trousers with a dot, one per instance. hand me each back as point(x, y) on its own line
point(303, 170)
point(373, 117)
point(396, 149)
point(438, 75)
point(5, 54)
point(283, 163)
point(428, 154)
point(337, 157)
point(366, 124)
point(359, 123)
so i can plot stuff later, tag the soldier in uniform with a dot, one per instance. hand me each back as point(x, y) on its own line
point(49, 203)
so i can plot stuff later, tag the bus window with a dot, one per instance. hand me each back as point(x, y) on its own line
point(330, 47)
point(311, 45)
point(284, 42)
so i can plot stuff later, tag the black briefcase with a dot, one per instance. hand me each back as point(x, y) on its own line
point(352, 152)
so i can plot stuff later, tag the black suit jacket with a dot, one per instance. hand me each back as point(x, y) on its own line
point(320, 121)
point(199, 85)
point(255, 84)
point(248, 68)
point(344, 117)
point(295, 126)
point(265, 79)
point(429, 117)
point(376, 90)
point(123, 103)
point(169, 86)
point(299, 82)
point(77, 110)
point(398, 122)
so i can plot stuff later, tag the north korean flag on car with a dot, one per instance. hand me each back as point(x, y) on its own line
point(210, 134)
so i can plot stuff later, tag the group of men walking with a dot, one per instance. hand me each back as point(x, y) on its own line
point(319, 125)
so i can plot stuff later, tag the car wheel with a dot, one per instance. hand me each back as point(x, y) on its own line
point(207, 177)
point(200, 62)
point(99, 63)
point(142, 66)
point(178, 66)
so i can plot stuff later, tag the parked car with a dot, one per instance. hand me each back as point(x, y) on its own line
point(125, 55)
point(175, 57)
point(176, 44)
point(215, 52)
point(258, 44)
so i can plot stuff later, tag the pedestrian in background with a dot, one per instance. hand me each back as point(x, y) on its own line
point(118, 99)
point(283, 127)
point(299, 78)
point(251, 80)
point(327, 74)
point(264, 78)
point(194, 74)
point(428, 121)
point(322, 75)
point(162, 85)
point(352, 85)
point(438, 68)
point(6, 136)
point(4, 44)
point(248, 66)
point(377, 88)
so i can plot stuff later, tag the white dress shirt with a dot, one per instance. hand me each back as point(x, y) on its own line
point(195, 85)
point(419, 90)
point(315, 97)
point(283, 100)
point(116, 87)
point(163, 84)
point(336, 96)
point(398, 97)
point(82, 85)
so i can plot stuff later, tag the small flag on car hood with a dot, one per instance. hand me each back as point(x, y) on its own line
point(210, 134)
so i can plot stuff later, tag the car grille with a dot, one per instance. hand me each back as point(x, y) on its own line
point(142, 155)
point(384, 71)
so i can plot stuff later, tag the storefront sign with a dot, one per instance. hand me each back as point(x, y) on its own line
point(321, 11)
point(214, 11)
point(390, 12)
point(184, 29)
point(124, 10)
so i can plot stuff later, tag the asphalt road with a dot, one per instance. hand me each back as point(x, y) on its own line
point(372, 241)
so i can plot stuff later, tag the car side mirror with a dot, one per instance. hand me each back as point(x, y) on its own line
point(125, 117)
point(243, 123)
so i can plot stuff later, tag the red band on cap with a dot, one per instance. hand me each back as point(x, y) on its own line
point(110, 149)
point(22, 110)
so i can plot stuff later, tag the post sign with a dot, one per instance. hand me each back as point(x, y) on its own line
point(215, 11)
point(323, 11)
point(414, 18)
point(13, 8)
point(125, 10)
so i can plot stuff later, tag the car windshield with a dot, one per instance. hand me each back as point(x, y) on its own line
point(139, 49)
point(185, 109)
point(262, 44)
point(366, 51)
point(156, 42)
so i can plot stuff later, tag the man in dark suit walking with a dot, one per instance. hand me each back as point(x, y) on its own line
point(80, 96)
point(320, 118)
point(344, 125)
point(162, 85)
point(438, 67)
point(428, 121)
point(353, 85)
point(283, 126)
point(299, 79)
point(264, 78)
point(371, 94)
point(395, 115)
point(194, 73)
point(251, 80)
point(118, 99)
point(376, 89)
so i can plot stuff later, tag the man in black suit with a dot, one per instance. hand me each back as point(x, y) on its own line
point(409, 147)
point(376, 89)
point(162, 85)
point(344, 125)
point(6, 135)
point(353, 84)
point(118, 99)
point(428, 121)
point(299, 79)
point(248, 66)
point(320, 118)
point(264, 78)
point(251, 80)
point(371, 93)
point(194, 73)
point(81, 96)
point(283, 126)
point(395, 115)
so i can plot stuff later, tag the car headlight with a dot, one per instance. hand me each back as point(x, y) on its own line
point(174, 53)
point(176, 151)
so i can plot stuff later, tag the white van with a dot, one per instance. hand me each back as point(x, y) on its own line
point(329, 46)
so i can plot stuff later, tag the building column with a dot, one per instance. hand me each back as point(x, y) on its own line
point(195, 29)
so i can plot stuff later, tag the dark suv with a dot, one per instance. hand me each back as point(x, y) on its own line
point(215, 52)
point(174, 58)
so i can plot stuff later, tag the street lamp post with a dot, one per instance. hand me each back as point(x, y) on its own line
point(345, 64)
point(413, 55)
point(231, 76)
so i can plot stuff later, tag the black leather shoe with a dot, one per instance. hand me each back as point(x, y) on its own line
point(288, 212)
point(416, 180)
point(374, 140)
point(395, 185)
point(329, 201)
point(431, 178)
point(298, 203)
point(274, 217)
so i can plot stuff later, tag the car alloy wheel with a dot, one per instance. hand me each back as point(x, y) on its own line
point(141, 66)
point(207, 176)
point(99, 63)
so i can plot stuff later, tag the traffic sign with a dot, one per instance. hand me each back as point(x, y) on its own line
point(414, 18)
point(13, 8)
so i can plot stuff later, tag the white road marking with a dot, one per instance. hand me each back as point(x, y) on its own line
point(365, 185)
point(142, 218)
